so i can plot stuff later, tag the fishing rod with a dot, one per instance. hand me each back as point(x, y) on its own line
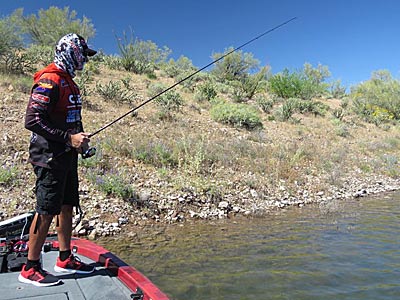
point(90, 152)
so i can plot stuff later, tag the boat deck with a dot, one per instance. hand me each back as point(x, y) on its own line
point(99, 285)
point(112, 279)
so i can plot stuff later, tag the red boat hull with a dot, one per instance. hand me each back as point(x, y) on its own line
point(131, 277)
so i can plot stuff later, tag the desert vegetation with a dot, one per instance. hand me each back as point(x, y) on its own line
point(237, 138)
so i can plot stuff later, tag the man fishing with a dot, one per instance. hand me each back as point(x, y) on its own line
point(53, 115)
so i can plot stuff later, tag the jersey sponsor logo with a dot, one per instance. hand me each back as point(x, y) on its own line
point(40, 98)
point(73, 116)
point(45, 85)
point(33, 137)
point(75, 99)
point(41, 89)
point(64, 83)
point(37, 105)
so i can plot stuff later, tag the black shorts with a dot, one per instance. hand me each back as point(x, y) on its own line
point(55, 188)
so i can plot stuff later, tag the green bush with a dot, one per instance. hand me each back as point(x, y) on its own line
point(237, 91)
point(233, 66)
point(341, 128)
point(295, 105)
point(112, 62)
point(305, 84)
point(193, 155)
point(167, 102)
point(265, 103)
point(16, 62)
point(39, 54)
point(182, 65)
point(48, 26)
point(378, 99)
point(113, 91)
point(112, 184)
point(285, 84)
point(8, 175)
point(236, 114)
point(156, 154)
point(311, 106)
point(286, 110)
point(337, 91)
point(191, 82)
point(390, 164)
point(140, 57)
point(316, 75)
point(206, 91)
point(82, 80)
point(249, 85)
point(11, 37)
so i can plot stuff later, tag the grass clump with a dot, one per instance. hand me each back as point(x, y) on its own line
point(8, 176)
point(206, 92)
point(114, 91)
point(236, 114)
point(112, 184)
point(168, 102)
point(157, 154)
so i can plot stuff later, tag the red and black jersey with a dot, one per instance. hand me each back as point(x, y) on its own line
point(53, 114)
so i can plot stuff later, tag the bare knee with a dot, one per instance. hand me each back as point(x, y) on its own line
point(41, 223)
point(66, 211)
point(44, 219)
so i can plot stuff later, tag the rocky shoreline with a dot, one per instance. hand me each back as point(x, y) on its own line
point(107, 217)
point(157, 202)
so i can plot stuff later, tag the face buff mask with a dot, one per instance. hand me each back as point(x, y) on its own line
point(71, 53)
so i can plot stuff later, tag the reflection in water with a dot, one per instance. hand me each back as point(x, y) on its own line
point(341, 250)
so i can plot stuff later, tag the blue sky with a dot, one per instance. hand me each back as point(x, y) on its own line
point(352, 37)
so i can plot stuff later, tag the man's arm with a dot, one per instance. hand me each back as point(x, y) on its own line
point(41, 102)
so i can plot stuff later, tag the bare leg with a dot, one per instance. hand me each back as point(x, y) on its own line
point(36, 240)
point(66, 262)
point(64, 230)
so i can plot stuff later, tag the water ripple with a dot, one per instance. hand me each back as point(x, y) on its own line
point(342, 250)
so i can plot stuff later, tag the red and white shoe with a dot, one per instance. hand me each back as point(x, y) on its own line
point(73, 265)
point(37, 276)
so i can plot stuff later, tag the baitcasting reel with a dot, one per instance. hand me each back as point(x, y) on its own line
point(89, 153)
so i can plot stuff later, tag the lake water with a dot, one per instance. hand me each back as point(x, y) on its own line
point(338, 250)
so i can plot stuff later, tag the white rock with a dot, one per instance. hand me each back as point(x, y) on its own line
point(223, 205)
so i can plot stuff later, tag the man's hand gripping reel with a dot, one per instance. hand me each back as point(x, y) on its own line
point(89, 152)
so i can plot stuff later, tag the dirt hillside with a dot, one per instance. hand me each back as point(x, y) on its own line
point(217, 171)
